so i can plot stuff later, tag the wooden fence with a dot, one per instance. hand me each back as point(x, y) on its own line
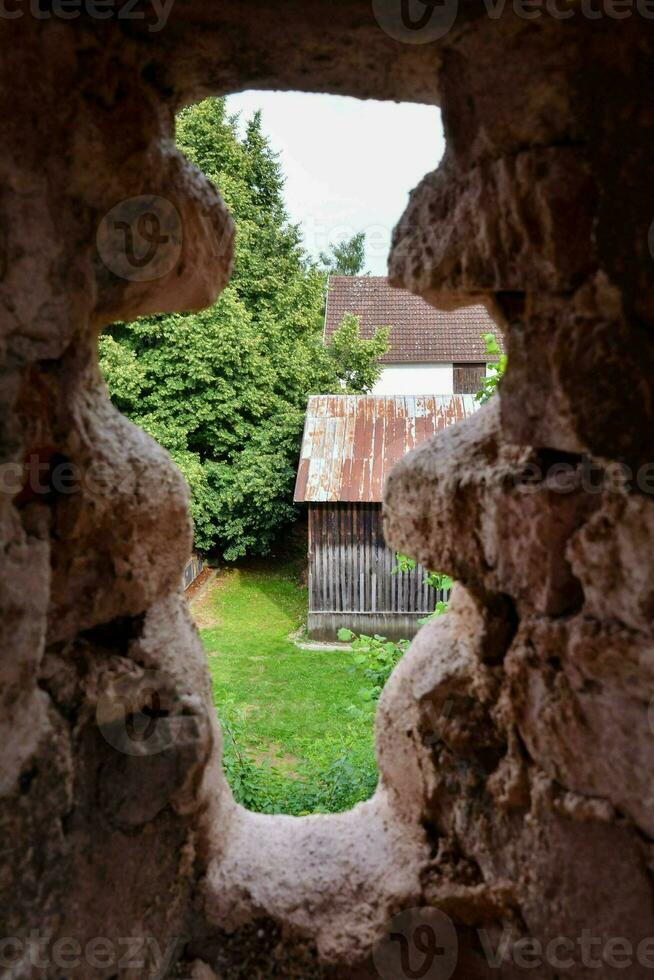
point(192, 569)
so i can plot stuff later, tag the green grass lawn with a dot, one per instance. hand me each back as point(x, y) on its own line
point(294, 744)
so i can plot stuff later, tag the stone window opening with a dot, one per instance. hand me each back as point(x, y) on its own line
point(139, 240)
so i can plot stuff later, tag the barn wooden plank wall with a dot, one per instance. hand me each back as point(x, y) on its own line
point(467, 378)
point(324, 627)
point(351, 577)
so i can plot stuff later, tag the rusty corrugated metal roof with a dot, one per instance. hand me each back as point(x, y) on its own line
point(351, 442)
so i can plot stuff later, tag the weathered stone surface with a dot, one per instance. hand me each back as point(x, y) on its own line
point(488, 752)
point(514, 739)
point(467, 477)
point(125, 507)
point(611, 557)
point(486, 230)
point(574, 345)
point(580, 691)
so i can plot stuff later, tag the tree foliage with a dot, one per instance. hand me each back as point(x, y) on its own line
point(225, 390)
point(352, 360)
point(496, 368)
point(348, 258)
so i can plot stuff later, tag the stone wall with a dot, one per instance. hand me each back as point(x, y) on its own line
point(514, 740)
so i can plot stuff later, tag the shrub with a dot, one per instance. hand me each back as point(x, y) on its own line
point(319, 786)
point(496, 369)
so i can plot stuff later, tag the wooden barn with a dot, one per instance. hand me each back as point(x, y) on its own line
point(350, 444)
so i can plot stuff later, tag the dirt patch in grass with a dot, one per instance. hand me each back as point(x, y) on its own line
point(203, 602)
point(197, 585)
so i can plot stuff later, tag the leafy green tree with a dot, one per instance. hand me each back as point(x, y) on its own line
point(348, 258)
point(496, 368)
point(352, 360)
point(225, 390)
point(439, 581)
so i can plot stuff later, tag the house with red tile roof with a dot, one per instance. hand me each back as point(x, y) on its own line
point(431, 351)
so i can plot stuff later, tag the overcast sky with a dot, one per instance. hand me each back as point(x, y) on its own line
point(349, 165)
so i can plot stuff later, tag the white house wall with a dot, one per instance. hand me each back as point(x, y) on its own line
point(415, 379)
